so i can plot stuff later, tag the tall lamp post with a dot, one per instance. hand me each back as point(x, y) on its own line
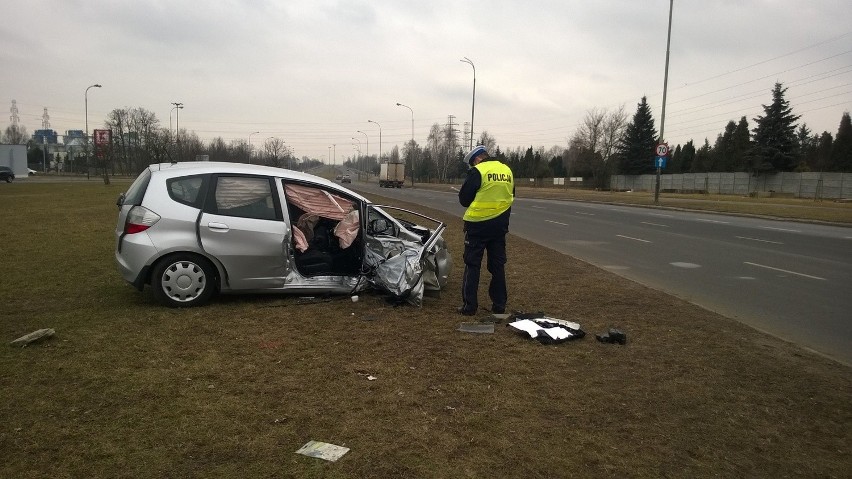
point(249, 144)
point(179, 106)
point(86, 96)
point(473, 102)
point(663, 117)
point(412, 119)
point(367, 150)
point(170, 115)
point(380, 139)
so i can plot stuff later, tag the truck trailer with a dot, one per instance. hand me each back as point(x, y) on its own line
point(392, 175)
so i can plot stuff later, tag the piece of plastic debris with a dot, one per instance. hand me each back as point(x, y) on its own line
point(613, 336)
point(355, 298)
point(545, 329)
point(371, 378)
point(322, 450)
point(500, 317)
point(483, 328)
point(33, 337)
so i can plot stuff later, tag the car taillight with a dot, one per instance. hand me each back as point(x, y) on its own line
point(139, 219)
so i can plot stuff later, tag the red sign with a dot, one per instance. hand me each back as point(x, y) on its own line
point(102, 137)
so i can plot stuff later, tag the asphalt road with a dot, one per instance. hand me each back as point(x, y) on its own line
point(792, 280)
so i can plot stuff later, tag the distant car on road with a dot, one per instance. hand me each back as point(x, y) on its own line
point(346, 179)
point(6, 174)
point(194, 229)
point(31, 172)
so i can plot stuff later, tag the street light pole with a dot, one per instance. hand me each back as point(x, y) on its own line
point(380, 139)
point(249, 144)
point(412, 119)
point(367, 137)
point(663, 117)
point(473, 102)
point(170, 117)
point(86, 95)
point(178, 106)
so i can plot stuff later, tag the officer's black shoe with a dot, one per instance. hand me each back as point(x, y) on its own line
point(466, 312)
point(498, 310)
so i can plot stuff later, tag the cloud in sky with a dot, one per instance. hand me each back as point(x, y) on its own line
point(313, 72)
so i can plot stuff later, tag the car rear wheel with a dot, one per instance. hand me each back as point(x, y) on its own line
point(8, 179)
point(183, 280)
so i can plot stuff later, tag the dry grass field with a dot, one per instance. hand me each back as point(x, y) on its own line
point(127, 388)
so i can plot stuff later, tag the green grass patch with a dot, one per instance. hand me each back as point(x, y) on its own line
point(127, 388)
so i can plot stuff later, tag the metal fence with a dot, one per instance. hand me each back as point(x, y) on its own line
point(799, 185)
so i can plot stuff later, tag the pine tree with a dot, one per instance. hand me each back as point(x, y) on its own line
point(636, 149)
point(741, 145)
point(774, 147)
point(841, 150)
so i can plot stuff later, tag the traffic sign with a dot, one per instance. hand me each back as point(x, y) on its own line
point(660, 162)
point(663, 149)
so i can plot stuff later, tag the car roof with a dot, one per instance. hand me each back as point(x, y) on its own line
point(209, 167)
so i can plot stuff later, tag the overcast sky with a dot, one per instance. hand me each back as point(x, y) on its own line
point(312, 72)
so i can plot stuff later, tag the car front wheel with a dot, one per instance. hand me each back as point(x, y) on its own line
point(183, 281)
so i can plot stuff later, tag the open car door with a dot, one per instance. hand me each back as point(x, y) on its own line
point(402, 257)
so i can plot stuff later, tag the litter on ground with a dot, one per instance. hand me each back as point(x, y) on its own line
point(322, 450)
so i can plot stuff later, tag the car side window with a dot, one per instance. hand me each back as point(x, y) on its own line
point(186, 190)
point(247, 197)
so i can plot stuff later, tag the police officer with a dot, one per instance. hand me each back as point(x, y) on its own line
point(487, 193)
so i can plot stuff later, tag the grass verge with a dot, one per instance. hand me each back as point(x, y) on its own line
point(131, 389)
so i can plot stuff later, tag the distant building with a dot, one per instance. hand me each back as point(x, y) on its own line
point(72, 135)
point(41, 137)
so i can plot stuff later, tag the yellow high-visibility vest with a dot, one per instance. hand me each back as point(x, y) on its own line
point(495, 195)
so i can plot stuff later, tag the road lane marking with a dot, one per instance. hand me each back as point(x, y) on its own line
point(539, 207)
point(711, 221)
point(557, 223)
point(653, 224)
point(634, 239)
point(785, 271)
point(581, 213)
point(779, 229)
point(756, 239)
point(661, 215)
point(685, 265)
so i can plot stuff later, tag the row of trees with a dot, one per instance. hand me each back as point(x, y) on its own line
point(605, 142)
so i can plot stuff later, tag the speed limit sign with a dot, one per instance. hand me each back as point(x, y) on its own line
point(662, 149)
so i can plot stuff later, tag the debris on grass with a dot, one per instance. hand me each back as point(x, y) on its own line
point(33, 337)
point(612, 336)
point(482, 328)
point(322, 450)
point(545, 329)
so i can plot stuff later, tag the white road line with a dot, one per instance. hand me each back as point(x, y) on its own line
point(711, 221)
point(557, 223)
point(755, 239)
point(539, 207)
point(653, 224)
point(661, 215)
point(454, 188)
point(785, 271)
point(634, 239)
point(779, 229)
point(581, 213)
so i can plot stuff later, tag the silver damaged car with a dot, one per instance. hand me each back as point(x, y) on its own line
point(191, 230)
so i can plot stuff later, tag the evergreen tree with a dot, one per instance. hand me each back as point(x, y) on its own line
point(841, 150)
point(822, 155)
point(723, 152)
point(636, 149)
point(703, 157)
point(688, 159)
point(774, 146)
point(741, 146)
point(674, 165)
point(804, 148)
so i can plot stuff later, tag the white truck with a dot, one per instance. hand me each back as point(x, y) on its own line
point(392, 175)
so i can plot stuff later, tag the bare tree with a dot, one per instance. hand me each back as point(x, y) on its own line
point(275, 152)
point(488, 142)
point(15, 135)
point(593, 145)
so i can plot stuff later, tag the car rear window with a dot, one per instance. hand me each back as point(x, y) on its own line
point(186, 190)
point(136, 191)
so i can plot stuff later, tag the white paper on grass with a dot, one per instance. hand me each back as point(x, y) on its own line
point(322, 450)
point(532, 328)
point(528, 326)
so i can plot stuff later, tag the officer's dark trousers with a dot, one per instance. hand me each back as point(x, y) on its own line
point(474, 247)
